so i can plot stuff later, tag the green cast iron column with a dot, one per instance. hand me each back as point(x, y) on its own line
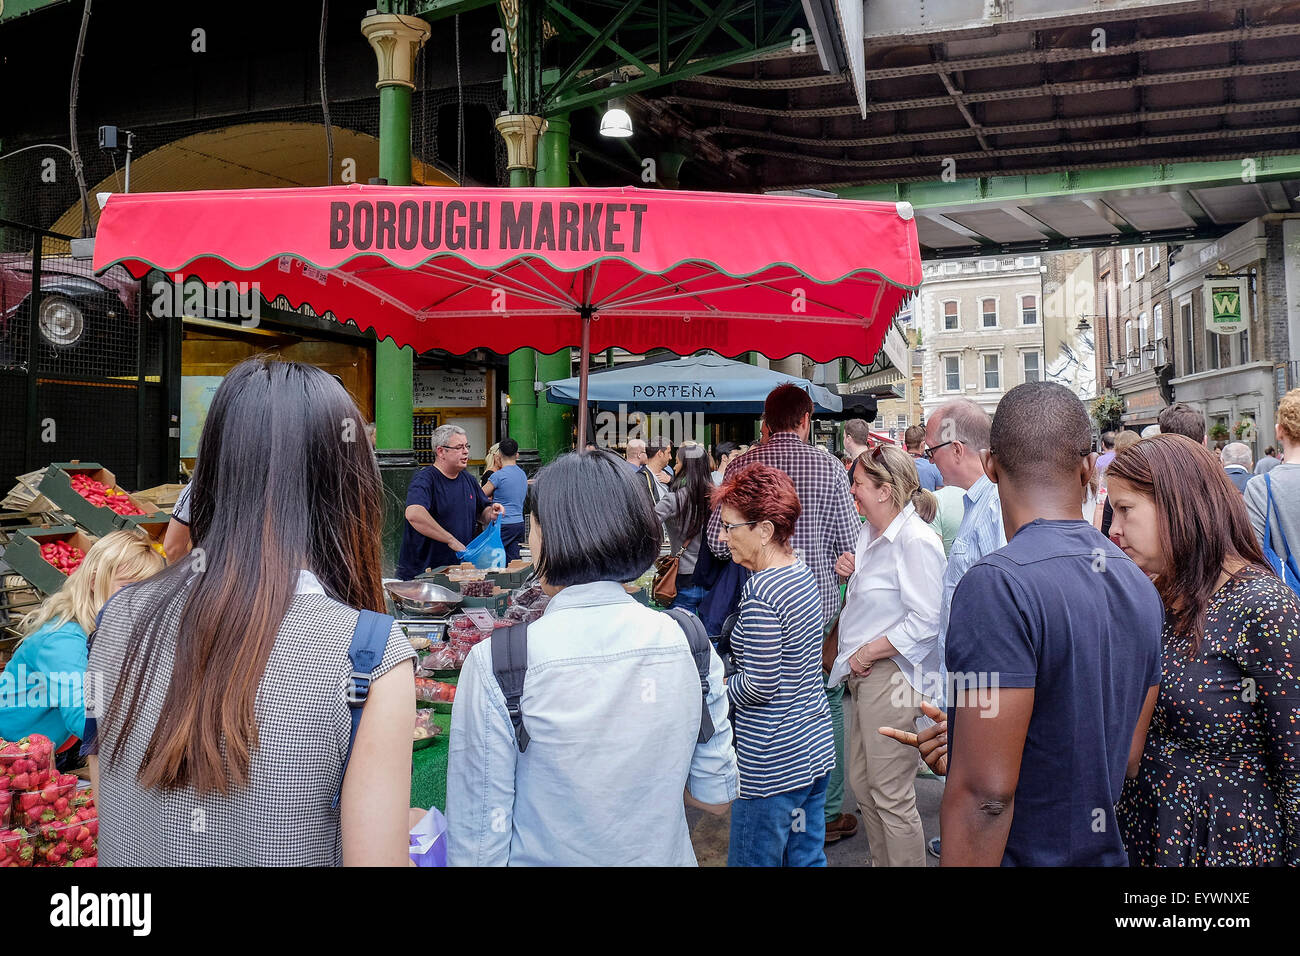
point(554, 422)
point(394, 367)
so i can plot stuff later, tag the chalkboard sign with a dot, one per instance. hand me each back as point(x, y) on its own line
point(450, 388)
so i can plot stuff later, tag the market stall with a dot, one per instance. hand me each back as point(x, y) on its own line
point(703, 383)
point(503, 269)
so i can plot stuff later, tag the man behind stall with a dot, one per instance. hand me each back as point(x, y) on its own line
point(443, 506)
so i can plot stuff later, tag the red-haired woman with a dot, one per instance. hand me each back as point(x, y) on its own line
point(1218, 783)
point(784, 744)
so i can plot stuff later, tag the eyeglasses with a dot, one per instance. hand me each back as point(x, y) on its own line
point(928, 454)
point(464, 447)
point(739, 524)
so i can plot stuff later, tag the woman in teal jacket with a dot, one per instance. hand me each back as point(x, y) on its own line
point(41, 687)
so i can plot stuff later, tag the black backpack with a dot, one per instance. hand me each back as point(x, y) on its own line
point(510, 663)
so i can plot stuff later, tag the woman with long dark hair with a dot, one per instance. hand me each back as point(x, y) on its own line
point(685, 514)
point(1218, 782)
point(225, 724)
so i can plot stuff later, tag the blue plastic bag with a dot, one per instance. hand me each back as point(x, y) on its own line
point(486, 551)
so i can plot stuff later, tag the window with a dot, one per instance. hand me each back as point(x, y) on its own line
point(1033, 367)
point(1158, 315)
point(879, 423)
point(1189, 336)
point(950, 316)
point(992, 371)
point(1212, 356)
point(1140, 257)
point(1243, 339)
point(1029, 310)
point(989, 309)
point(1128, 338)
point(1124, 258)
point(952, 373)
point(1143, 355)
point(902, 423)
point(1155, 256)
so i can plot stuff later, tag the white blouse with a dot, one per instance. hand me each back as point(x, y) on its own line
point(896, 591)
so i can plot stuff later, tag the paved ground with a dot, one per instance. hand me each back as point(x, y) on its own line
point(709, 833)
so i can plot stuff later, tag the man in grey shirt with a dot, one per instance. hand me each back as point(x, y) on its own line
point(1268, 462)
point(1285, 481)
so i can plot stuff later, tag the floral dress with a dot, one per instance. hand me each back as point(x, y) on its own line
point(1219, 782)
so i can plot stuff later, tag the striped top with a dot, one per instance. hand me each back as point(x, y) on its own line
point(783, 723)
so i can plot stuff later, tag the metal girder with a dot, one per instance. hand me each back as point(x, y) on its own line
point(1081, 184)
point(1062, 54)
point(432, 10)
point(597, 42)
point(888, 22)
point(1031, 247)
point(673, 31)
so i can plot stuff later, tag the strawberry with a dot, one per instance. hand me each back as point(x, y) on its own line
point(49, 794)
point(93, 827)
point(61, 806)
point(67, 780)
point(76, 854)
point(27, 801)
point(87, 861)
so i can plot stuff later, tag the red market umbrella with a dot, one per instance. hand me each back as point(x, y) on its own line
point(460, 269)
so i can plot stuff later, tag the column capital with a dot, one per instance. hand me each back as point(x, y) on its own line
point(395, 39)
point(521, 131)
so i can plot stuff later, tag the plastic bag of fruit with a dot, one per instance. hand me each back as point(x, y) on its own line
point(434, 691)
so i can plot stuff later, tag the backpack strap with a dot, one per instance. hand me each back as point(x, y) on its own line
point(701, 650)
point(1268, 515)
point(509, 666)
point(364, 653)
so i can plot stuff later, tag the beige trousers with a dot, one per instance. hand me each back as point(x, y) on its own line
point(882, 771)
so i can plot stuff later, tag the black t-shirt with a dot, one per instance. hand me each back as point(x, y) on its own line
point(455, 503)
point(1061, 609)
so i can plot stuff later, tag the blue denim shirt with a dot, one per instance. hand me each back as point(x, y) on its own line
point(612, 703)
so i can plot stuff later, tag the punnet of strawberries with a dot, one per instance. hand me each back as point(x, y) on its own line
point(102, 496)
point(62, 555)
point(44, 819)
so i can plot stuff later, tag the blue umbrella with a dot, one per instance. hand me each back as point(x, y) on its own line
point(702, 383)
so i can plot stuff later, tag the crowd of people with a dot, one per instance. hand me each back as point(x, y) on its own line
point(1095, 651)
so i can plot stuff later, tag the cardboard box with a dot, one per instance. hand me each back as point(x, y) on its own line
point(23, 554)
point(163, 497)
point(57, 486)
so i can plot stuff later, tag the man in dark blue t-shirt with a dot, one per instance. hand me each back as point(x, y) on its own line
point(1053, 655)
point(443, 506)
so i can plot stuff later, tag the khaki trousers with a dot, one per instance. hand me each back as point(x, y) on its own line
point(882, 771)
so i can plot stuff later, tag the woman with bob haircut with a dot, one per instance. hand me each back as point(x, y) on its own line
point(784, 743)
point(1218, 782)
point(55, 638)
point(889, 644)
point(611, 700)
point(226, 677)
